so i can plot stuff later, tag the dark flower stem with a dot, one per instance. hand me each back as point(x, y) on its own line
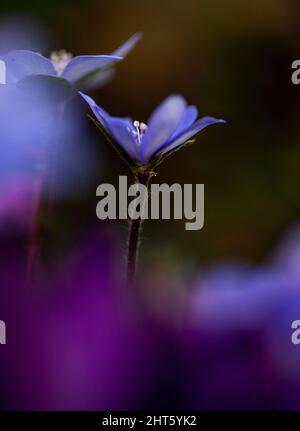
point(135, 230)
point(34, 237)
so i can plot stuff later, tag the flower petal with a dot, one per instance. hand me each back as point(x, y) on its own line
point(101, 115)
point(98, 79)
point(128, 46)
point(104, 76)
point(22, 63)
point(186, 122)
point(121, 129)
point(162, 124)
point(82, 66)
point(188, 134)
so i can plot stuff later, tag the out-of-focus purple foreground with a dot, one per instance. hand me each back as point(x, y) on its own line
point(78, 340)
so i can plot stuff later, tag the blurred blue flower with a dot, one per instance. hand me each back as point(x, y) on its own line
point(34, 147)
point(239, 295)
point(84, 71)
point(238, 353)
point(171, 125)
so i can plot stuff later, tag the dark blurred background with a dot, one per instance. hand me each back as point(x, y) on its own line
point(231, 59)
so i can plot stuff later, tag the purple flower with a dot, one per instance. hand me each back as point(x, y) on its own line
point(84, 71)
point(31, 133)
point(170, 126)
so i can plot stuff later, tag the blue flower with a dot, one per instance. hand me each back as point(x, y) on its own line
point(170, 126)
point(84, 71)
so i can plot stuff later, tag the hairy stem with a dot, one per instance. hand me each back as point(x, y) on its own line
point(135, 230)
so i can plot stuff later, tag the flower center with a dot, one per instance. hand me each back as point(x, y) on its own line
point(138, 133)
point(60, 59)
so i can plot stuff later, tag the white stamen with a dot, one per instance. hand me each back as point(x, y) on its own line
point(143, 127)
point(60, 59)
point(138, 133)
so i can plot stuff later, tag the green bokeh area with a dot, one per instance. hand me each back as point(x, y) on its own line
point(232, 60)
